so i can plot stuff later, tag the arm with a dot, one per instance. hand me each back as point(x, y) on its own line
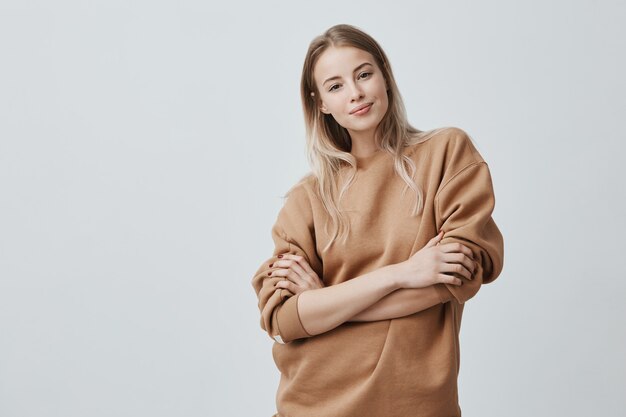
point(323, 309)
point(287, 316)
point(403, 302)
point(293, 232)
point(463, 209)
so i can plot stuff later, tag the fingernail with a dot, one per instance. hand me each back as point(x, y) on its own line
point(271, 265)
point(280, 256)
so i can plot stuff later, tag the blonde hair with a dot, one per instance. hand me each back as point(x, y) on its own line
point(329, 144)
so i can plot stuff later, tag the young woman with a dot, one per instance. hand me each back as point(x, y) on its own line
point(365, 290)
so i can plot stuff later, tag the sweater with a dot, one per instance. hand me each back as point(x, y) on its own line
point(401, 367)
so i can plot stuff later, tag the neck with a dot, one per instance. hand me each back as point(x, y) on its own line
point(363, 144)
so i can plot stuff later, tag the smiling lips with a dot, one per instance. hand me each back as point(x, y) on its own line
point(356, 109)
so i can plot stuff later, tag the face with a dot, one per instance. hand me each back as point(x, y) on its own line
point(346, 78)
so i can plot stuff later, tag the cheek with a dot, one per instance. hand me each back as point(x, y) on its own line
point(384, 99)
point(335, 104)
point(382, 92)
point(336, 108)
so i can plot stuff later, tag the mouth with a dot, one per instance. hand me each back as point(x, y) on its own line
point(361, 109)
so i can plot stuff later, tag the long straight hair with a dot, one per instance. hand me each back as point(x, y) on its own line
point(329, 143)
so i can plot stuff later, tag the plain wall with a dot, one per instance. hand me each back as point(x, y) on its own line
point(144, 147)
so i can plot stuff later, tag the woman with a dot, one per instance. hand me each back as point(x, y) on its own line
point(362, 297)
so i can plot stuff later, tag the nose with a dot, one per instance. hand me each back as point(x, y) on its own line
point(355, 91)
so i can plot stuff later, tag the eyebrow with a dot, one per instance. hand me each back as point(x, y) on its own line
point(355, 70)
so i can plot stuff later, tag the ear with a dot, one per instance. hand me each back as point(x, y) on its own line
point(321, 105)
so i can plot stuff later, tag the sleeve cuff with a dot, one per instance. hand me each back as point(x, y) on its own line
point(288, 321)
point(444, 293)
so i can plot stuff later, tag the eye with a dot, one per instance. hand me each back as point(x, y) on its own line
point(332, 87)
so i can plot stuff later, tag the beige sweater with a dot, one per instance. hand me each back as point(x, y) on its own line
point(406, 366)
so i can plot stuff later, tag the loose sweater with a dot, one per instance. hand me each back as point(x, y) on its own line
point(402, 367)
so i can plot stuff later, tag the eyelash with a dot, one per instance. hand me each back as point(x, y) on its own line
point(334, 85)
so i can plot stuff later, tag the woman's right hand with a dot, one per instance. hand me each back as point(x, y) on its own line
point(429, 265)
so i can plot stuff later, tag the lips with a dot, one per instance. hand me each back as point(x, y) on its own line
point(362, 106)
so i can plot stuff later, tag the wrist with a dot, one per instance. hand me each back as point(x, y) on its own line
point(395, 272)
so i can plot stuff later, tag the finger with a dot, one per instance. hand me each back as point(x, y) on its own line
point(287, 285)
point(449, 279)
point(435, 240)
point(457, 247)
point(305, 265)
point(457, 269)
point(461, 258)
point(290, 269)
point(295, 267)
point(289, 274)
point(302, 266)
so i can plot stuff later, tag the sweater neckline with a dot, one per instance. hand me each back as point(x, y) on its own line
point(366, 161)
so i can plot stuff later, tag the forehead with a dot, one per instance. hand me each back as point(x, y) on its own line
point(339, 61)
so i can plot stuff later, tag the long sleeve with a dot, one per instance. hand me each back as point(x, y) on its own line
point(463, 208)
point(293, 232)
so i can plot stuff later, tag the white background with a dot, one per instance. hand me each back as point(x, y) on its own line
point(144, 147)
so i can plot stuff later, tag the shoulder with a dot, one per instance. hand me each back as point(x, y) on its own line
point(451, 149)
point(302, 189)
point(448, 143)
point(297, 201)
point(459, 143)
point(295, 218)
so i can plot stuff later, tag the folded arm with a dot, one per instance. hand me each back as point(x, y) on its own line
point(464, 208)
point(286, 316)
point(323, 309)
point(403, 302)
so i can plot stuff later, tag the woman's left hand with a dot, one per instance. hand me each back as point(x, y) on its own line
point(300, 276)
